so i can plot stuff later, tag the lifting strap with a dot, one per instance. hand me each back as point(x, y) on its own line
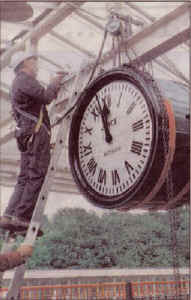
point(39, 123)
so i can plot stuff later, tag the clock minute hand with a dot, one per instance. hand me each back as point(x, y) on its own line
point(108, 136)
point(106, 110)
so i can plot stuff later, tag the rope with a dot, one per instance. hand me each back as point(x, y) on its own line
point(99, 56)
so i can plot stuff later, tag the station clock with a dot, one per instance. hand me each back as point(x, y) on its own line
point(114, 137)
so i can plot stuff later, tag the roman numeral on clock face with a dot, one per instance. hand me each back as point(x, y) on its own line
point(92, 165)
point(102, 176)
point(137, 125)
point(128, 167)
point(115, 177)
point(88, 130)
point(87, 149)
point(136, 147)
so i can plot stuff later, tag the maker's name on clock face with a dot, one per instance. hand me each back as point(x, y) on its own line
point(112, 168)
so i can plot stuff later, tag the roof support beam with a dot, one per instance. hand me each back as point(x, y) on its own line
point(141, 11)
point(161, 36)
point(164, 47)
point(54, 18)
point(170, 66)
point(151, 42)
point(88, 19)
point(163, 61)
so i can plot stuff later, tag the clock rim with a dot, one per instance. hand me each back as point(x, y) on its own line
point(93, 196)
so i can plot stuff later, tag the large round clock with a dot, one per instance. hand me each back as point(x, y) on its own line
point(114, 136)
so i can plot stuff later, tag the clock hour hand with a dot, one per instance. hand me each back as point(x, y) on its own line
point(108, 136)
point(104, 112)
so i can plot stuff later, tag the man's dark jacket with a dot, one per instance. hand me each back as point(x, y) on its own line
point(28, 95)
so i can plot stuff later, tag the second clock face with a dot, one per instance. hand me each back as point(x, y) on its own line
point(115, 138)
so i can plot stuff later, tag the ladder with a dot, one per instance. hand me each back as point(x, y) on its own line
point(16, 282)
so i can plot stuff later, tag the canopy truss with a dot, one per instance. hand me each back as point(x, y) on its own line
point(66, 34)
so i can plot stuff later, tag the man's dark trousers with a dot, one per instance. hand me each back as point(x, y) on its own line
point(34, 166)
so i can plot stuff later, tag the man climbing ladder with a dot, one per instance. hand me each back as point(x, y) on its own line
point(32, 133)
point(37, 213)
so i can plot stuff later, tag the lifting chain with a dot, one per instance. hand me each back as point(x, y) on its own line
point(174, 216)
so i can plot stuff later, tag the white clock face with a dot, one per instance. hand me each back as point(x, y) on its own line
point(111, 166)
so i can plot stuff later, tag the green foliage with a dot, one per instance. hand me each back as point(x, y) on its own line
point(78, 239)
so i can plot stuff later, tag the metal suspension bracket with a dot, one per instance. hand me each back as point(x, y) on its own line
point(113, 25)
point(119, 28)
point(115, 28)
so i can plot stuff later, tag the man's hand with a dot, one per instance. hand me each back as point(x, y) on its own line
point(25, 250)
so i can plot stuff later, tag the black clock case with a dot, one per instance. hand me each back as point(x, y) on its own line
point(150, 190)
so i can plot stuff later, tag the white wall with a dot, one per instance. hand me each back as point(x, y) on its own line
point(57, 201)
